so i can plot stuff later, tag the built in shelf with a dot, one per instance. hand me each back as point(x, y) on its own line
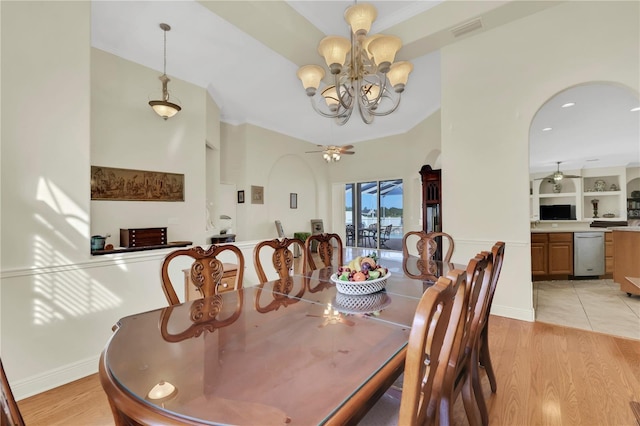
point(143, 248)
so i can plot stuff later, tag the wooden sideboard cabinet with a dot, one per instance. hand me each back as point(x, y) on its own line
point(551, 254)
point(227, 282)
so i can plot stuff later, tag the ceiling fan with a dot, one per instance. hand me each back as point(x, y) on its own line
point(557, 176)
point(332, 153)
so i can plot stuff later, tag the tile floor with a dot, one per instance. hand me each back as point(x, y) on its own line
point(593, 304)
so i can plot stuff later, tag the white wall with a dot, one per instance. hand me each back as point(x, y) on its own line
point(253, 156)
point(492, 86)
point(45, 117)
point(126, 133)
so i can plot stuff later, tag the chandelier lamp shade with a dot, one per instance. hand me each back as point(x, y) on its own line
point(163, 107)
point(364, 74)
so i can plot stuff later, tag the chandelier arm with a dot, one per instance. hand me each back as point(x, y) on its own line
point(342, 119)
point(322, 113)
point(364, 109)
point(343, 99)
point(395, 107)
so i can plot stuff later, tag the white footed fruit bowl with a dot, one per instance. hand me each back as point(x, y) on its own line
point(360, 287)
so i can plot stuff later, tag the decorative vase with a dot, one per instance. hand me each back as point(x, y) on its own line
point(600, 185)
point(557, 187)
point(594, 202)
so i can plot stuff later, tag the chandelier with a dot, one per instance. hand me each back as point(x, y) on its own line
point(164, 108)
point(364, 74)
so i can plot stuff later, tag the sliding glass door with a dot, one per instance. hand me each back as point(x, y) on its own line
point(373, 213)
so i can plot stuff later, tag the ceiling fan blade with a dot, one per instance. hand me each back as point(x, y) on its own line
point(572, 176)
point(310, 152)
point(347, 153)
point(542, 178)
point(346, 147)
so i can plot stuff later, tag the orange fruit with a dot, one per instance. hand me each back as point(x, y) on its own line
point(359, 276)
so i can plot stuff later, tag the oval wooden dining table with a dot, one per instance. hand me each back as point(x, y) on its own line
point(292, 352)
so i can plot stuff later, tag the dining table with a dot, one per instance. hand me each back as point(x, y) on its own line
point(290, 351)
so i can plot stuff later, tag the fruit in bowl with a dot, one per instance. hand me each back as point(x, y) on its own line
point(361, 268)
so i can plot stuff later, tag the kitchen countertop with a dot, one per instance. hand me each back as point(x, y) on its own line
point(561, 229)
point(626, 228)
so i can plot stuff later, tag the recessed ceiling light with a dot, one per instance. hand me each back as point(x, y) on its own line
point(635, 109)
point(568, 104)
point(593, 159)
point(546, 129)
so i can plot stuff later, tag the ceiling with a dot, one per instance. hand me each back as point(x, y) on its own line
point(600, 130)
point(246, 54)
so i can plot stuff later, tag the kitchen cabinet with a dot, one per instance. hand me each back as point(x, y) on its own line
point(539, 254)
point(608, 253)
point(551, 254)
point(561, 253)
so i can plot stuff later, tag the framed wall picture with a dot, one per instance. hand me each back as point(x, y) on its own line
point(109, 183)
point(257, 194)
point(240, 197)
point(316, 226)
point(293, 200)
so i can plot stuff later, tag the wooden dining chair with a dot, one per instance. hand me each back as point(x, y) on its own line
point(283, 265)
point(325, 245)
point(205, 272)
point(462, 375)
point(431, 340)
point(485, 357)
point(282, 257)
point(10, 414)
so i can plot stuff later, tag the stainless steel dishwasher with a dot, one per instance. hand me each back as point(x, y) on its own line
point(588, 254)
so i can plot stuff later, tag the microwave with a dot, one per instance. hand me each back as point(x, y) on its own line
point(558, 212)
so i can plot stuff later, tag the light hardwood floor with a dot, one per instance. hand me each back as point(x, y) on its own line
point(547, 374)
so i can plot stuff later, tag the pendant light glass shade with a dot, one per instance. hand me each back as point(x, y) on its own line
point(360, 17)
point(399, 74)
point(384, 49)
point(334, 50)
point(310, 75)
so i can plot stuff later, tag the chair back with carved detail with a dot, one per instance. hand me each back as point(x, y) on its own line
point(430, 343)
point(205, 271)
point(282, 258)
point(427, 244)
point(10, 414)
point(424, 266)
point(325, 246)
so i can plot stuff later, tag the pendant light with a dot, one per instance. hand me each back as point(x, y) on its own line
point(164, 108)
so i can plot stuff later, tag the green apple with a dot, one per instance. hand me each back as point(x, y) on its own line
point(374, 274)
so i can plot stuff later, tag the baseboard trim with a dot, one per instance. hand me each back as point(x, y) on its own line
point(515, 313)
point(54, 378)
